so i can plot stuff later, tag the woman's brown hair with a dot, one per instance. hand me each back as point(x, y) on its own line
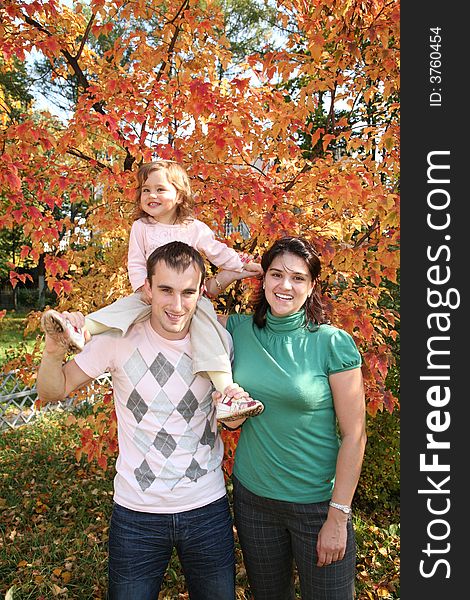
point(314, 314)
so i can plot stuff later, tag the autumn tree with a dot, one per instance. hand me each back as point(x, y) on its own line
point(300, 138)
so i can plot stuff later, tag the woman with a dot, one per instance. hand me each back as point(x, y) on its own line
point(294, 477)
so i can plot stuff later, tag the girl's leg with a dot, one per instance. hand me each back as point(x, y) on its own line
point(231, 409)
point(94, 328)
point(211, 356)
point(118, 315)
point(220, 379)
point(121, 314)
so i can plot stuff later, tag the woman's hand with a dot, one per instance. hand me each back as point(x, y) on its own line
point(254, 269)
point(331, 544)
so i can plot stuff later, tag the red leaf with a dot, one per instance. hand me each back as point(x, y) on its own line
point(14, 181)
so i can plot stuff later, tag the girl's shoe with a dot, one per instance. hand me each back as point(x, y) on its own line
point(230, 409)
point(62, 331)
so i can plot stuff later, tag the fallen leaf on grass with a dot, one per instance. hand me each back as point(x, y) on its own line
point(9, 594)
point(66, 576)
point(57, 590)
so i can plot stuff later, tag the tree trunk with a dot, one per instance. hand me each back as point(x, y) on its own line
point(41, 283)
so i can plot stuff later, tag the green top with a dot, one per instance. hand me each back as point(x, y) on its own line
point(289, 451)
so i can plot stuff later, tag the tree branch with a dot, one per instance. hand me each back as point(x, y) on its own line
point(374, 225)
point(85, 35)
point(79, 154)
point(99, 105)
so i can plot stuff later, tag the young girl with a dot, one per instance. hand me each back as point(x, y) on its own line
point(163, 214)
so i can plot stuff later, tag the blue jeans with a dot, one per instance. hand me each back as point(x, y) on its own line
point(141, 544)
point(275, 534)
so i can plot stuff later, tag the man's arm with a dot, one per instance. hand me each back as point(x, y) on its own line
point(56, 380)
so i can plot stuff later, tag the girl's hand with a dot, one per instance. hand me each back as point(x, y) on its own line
point(245, 257)
point(254, 269)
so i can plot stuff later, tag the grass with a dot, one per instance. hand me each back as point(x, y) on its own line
point(11, 335)
point(54, 514)
point(54, 525)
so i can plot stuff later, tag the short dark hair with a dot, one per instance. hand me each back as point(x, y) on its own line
point(314, 313)
point(178, 256)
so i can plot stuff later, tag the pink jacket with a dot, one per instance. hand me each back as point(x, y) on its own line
point(145, 236)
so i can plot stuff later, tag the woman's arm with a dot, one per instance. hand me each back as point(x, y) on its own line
point(349, 402)
point(217, 284)
point(348, 397)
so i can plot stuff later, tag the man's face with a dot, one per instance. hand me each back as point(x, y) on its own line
point(174, 297)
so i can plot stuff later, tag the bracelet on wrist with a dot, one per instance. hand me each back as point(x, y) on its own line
point(218, 284)
point(342, 507)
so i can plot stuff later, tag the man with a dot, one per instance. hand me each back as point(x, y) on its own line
point(169, 489)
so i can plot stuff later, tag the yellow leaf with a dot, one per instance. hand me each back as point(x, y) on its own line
point(57, 591)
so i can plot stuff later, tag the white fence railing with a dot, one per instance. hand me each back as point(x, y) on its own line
point(17, 401)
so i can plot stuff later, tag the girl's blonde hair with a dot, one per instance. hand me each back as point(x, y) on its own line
point(177, 176)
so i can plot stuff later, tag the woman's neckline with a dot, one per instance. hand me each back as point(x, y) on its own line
point(283, 324)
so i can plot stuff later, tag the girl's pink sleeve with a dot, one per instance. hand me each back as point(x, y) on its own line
point(136, 256)
point(217, 252)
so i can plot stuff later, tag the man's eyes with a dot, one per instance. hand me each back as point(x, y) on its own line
point(184, 293)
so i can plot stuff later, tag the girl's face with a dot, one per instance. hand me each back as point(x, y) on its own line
point(159, 198)
point(287, 284)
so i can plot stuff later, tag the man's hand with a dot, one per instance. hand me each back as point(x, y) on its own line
point(232, 391)
point(235, 406)
point(56, 380)
point(64, 331)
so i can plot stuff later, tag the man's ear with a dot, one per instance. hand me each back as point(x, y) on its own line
point(148, 289)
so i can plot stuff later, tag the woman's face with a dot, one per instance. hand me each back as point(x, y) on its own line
point(287, 284)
